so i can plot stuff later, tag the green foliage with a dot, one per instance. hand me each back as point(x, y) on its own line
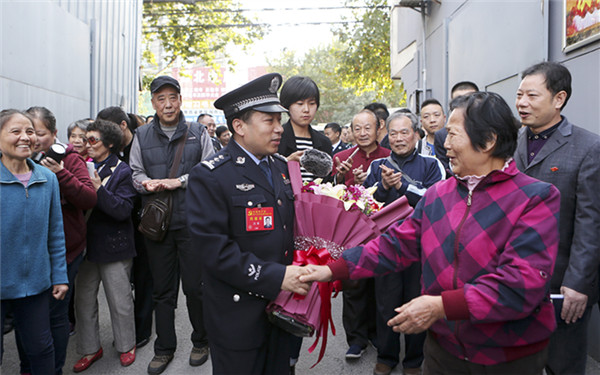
point(194, 31)
point(354, 70)
point(347, 81)
point(364, 56)
point(338, 103)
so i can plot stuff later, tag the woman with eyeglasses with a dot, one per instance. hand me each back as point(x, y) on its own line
point(76, 195)
point(110, 250)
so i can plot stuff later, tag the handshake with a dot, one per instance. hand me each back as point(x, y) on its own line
point(413, 317)
point(298, 279)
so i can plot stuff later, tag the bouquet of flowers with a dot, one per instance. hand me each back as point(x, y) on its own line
point(353, 197)
point(329, 219)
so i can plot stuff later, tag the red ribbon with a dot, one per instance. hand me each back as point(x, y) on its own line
point(320, 257)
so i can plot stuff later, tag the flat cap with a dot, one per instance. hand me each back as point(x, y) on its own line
point(161, 81)
point(259, 95)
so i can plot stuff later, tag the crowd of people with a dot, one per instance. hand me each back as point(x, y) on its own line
point(495, 271)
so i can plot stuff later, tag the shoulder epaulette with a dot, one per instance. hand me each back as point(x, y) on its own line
point(280, 157)
point(216, 161)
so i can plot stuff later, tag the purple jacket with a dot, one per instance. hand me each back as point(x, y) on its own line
point(110, 228)
point(489, 253)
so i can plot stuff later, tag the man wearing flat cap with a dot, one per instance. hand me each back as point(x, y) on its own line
point(245, 262)
point(153, 153)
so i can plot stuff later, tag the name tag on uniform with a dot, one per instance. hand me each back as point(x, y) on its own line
point(259, 219)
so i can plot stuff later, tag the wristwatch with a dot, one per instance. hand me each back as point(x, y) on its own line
point(183, 179)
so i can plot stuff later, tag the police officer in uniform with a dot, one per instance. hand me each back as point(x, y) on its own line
point(244, 262)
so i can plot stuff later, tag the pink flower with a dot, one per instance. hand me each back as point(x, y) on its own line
point(354, 197)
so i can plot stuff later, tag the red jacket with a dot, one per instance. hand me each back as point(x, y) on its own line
point(360, 159)
point(489, 253)
point(76, 195)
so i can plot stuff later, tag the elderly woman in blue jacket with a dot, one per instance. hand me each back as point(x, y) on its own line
point(32, 245)
point(110, 251)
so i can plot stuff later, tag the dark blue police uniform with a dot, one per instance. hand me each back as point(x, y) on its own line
point(242, 269)
point(241, 219)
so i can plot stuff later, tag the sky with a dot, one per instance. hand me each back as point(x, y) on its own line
point(289, 30)
point(300, 37)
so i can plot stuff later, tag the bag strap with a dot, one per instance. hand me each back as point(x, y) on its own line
point(406, 177)
point(179, 153)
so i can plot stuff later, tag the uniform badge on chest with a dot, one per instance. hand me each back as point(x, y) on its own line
point(244, 187)
point(258, 219)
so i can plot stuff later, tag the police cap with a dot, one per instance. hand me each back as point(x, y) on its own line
point(259, 95)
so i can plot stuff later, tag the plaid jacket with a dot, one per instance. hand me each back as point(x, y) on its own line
point(489, 253)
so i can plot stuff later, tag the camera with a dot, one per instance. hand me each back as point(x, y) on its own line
point(56, 152)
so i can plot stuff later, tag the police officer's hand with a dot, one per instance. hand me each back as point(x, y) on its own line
point(316, 273)
point(291, 281)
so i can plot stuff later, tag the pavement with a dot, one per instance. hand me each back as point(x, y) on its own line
point(332, 363)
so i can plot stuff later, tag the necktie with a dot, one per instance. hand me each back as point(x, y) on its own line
point(264, 167)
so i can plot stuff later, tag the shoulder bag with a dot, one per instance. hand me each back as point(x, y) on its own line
point(156, 214)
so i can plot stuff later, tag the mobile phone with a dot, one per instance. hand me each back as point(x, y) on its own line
point(352, 155)
point(90, 167)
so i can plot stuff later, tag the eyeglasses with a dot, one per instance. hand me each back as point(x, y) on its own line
point(93, 140)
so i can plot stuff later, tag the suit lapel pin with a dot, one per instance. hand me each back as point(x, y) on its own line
point(240, 160)
point(554, 169)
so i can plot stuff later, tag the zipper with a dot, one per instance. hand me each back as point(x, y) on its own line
point(458, 230)
point(455, 263)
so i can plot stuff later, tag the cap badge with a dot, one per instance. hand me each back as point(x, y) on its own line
point(274, 85)
point(240, 160)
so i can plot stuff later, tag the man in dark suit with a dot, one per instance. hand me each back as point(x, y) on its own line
point(552, 149)
point(245, 263)
point(333, 131)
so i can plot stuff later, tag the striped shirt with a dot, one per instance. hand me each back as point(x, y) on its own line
point(303, 144)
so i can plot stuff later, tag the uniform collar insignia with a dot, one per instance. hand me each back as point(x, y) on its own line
point(240, 160)
point(245, 187)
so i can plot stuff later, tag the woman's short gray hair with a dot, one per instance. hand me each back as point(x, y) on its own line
point(81, 124)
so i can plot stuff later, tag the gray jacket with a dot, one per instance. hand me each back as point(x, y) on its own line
point(152, 155)
point(570, 160)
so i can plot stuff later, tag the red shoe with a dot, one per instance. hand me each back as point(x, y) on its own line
point(85, 362)
point(127, 358)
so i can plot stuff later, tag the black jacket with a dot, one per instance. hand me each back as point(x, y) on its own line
point(287, 146)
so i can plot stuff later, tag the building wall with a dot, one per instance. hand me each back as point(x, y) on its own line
point(490, 42)
point(74, 57)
